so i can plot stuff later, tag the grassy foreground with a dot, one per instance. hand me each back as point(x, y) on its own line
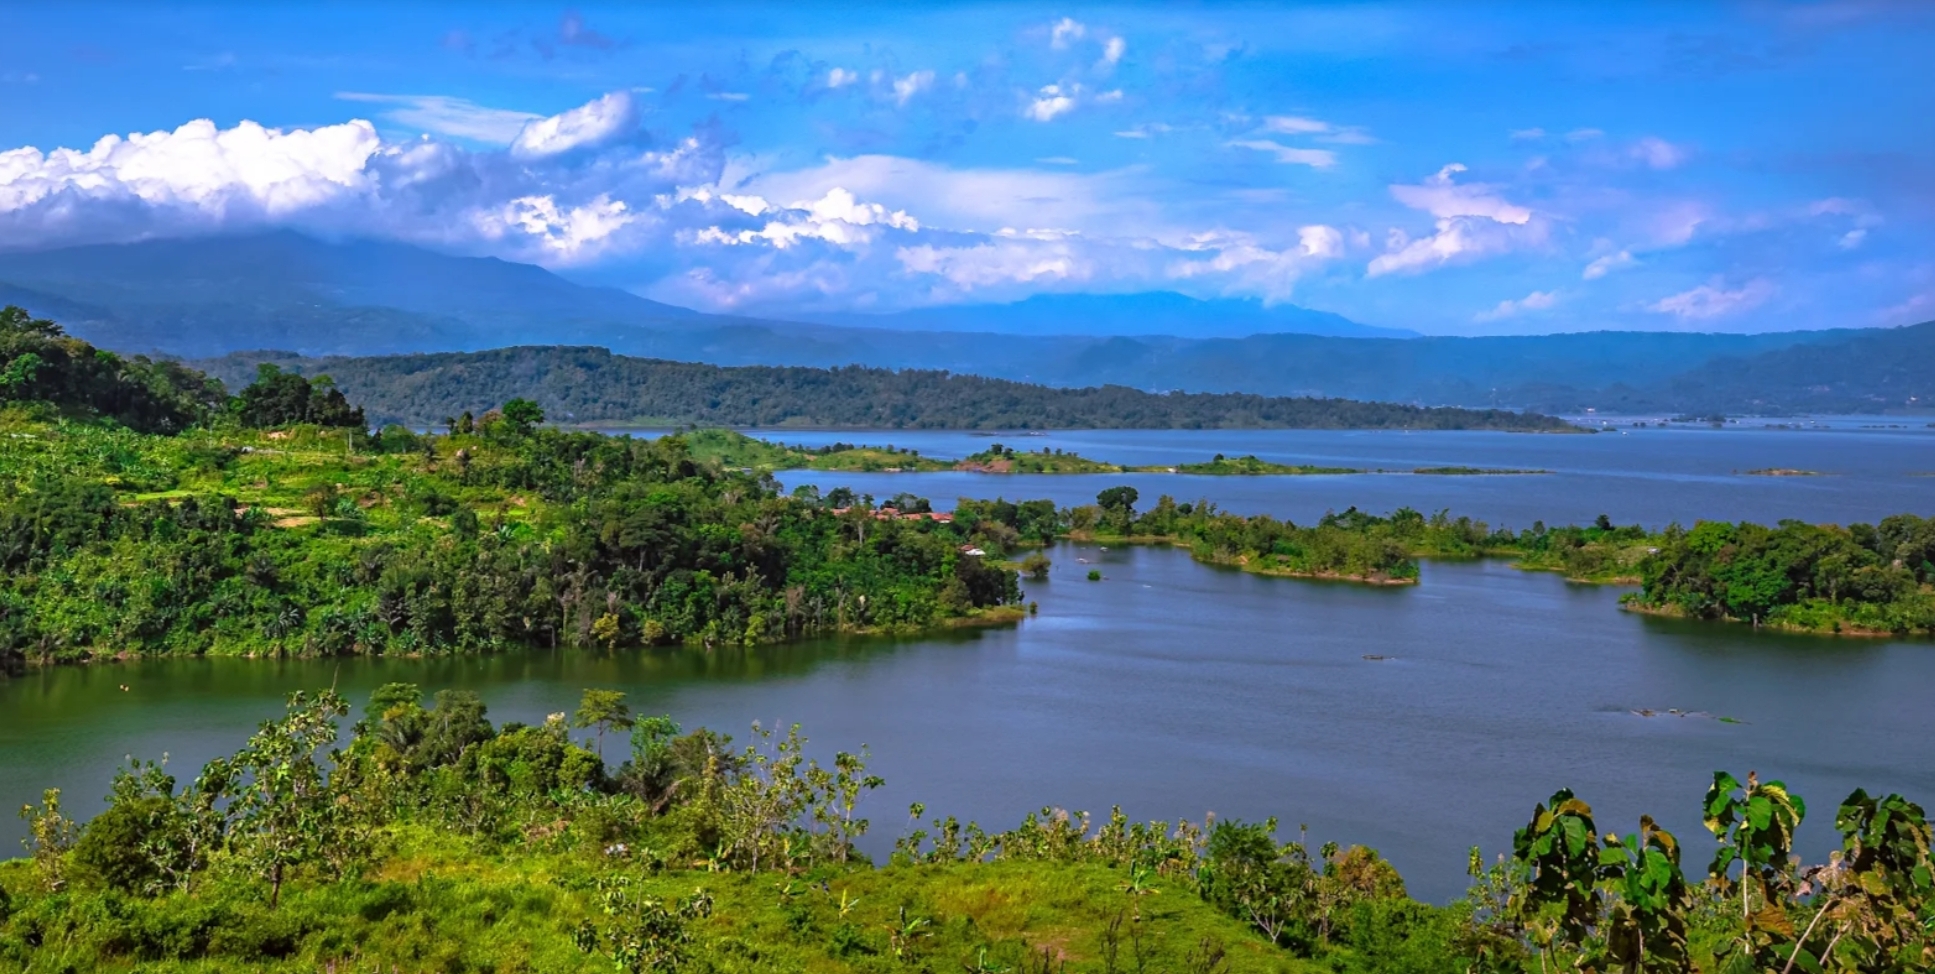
point(433, 841)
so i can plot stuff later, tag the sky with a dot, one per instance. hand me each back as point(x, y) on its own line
point(1452, 168)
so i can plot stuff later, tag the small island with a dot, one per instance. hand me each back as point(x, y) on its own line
point(1250, 466)
point(1783, 472)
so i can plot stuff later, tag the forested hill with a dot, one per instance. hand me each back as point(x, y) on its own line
point(591, 385)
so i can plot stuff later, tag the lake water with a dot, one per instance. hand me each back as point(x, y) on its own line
point(1173, 688)
point(1650, 476)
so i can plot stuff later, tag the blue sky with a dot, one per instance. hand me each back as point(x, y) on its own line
point(1455, 168)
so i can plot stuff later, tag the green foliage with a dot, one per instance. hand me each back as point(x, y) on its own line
point(40, 364)
point(432, 840)
point(296, 542)
point(1250, 466)
point(277, 398)
point(592, 385)
point(1862, 578)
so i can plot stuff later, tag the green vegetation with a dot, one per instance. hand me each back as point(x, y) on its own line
point(319, 541)
point(67, 377)
point(433, 840)
point(593, 386)
point(1249, 466)
point(1001, 459)
point(1818, 578)
point(734, 449)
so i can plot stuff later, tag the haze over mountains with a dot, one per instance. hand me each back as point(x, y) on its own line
point(207, 297)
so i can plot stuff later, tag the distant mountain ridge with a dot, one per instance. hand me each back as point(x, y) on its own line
point(1108, 315)
point(208, 297)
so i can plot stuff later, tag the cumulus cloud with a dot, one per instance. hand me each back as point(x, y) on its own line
point(444, 115)
point(1440, 196)
point(841, 77)
point(197, 177)
point(1052, 101)
point(566, 232)
point(1065, 32)
point(592, 124)
point(540, 202)
point(1473, 221)
point(1714, 300)
point(1605, 265)
point(1244, 264)
point(1289, 155)
point(1112, 51)
point(1536, 301)
point(907, 86)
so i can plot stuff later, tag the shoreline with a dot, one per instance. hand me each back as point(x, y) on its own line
point(990, 617)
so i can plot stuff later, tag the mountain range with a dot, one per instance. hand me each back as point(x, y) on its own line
point(208, 297)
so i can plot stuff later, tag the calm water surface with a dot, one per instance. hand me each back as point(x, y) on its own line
point(1651, 476)
point(1172, 689)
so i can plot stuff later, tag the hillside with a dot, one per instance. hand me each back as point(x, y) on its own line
point(592, 385)
point(213, 296)
point(1155, 313)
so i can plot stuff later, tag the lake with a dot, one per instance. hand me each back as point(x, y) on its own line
point(1175, 689)
point(1650, 475)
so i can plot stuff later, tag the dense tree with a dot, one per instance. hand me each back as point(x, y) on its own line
point(591, 385)
point(278, 398)
point(41, 364)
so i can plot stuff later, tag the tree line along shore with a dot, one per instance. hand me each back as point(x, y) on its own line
point(145, 512)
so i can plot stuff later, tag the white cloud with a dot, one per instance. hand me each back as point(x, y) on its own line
point(568, 233)
point(1852, 239)
point(1113, 50)
point(841, 77)
point(1528, 135)
point(1658, 153)
point(197, 177)
point(591, 124)
point(345, 178)
point(1320, 241)
point(1584, 135)
point(1294, 125)
point(1115, 203)
point(1473, 222)
point(907, 86)
point(1247, 265)
point(1058, 160)
point(1066, 30)
point(1013, 261)
point(1289, 155)
point(1536, 301)
point(729, 96)
point(1441, 197)
point(1713, 300)
point(1144, 131)
point(1052, 101)
point(1322, 130)
point(444, 115)
point(1605, 265)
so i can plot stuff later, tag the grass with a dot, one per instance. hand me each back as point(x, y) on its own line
point(440, 902)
